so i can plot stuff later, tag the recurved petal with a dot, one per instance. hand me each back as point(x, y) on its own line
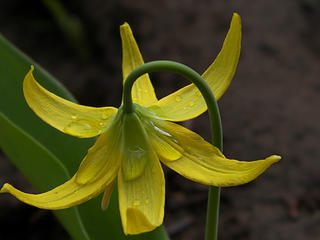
point(187, 102)
point(202, 162)
point(101, 157)
point(96, 173)
point(68, 117)
point(142, 90)
point(141, 201)
point(66, 195)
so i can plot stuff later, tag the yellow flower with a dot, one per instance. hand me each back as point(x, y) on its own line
point(130, 145)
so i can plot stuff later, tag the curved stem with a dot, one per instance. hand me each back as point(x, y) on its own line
point(215, 122)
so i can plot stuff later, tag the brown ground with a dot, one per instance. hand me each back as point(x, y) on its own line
point(270, 108)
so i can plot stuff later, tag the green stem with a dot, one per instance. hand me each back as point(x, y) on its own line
point(214, 115)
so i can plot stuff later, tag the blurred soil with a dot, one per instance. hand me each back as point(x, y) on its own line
point(272, 106)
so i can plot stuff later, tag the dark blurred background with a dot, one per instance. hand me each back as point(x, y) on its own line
point(272, 106)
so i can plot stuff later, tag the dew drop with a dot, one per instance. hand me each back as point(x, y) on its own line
point(101, 124)
point(74, 117)
point(105, 115)
point(161, 131)
point(76, 126)
point(191, 104)
point(136, 203)
point(178, 99)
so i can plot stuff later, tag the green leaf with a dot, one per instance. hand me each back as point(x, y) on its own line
point(48, 157)
point(31, 157)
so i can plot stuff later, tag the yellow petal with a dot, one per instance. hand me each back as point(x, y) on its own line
point(202, 162)
point(141, 201)
point(96, 173)
point(66, 195)
point(187, 102)
point(68, 117)
point(142, 90)
point(103, 155)
point(164, 149)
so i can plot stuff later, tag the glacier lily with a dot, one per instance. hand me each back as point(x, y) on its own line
point(131, 145)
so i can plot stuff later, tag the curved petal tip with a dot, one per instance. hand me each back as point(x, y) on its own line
point(138, 223)
point(236, 16)
point(5, 188)
point(273, 158)
point(124, 25)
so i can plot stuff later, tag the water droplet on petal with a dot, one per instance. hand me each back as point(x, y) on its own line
point(74, 117)
point(101, 124)
point(77, 126)
point(136, 203)
point(161, 131)
point(105, 115)
point(178, 99)
point(191, 104)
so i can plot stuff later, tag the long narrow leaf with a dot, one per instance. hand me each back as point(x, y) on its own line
point(31, 157)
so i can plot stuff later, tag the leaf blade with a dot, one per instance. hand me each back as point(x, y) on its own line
point(44, 163)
